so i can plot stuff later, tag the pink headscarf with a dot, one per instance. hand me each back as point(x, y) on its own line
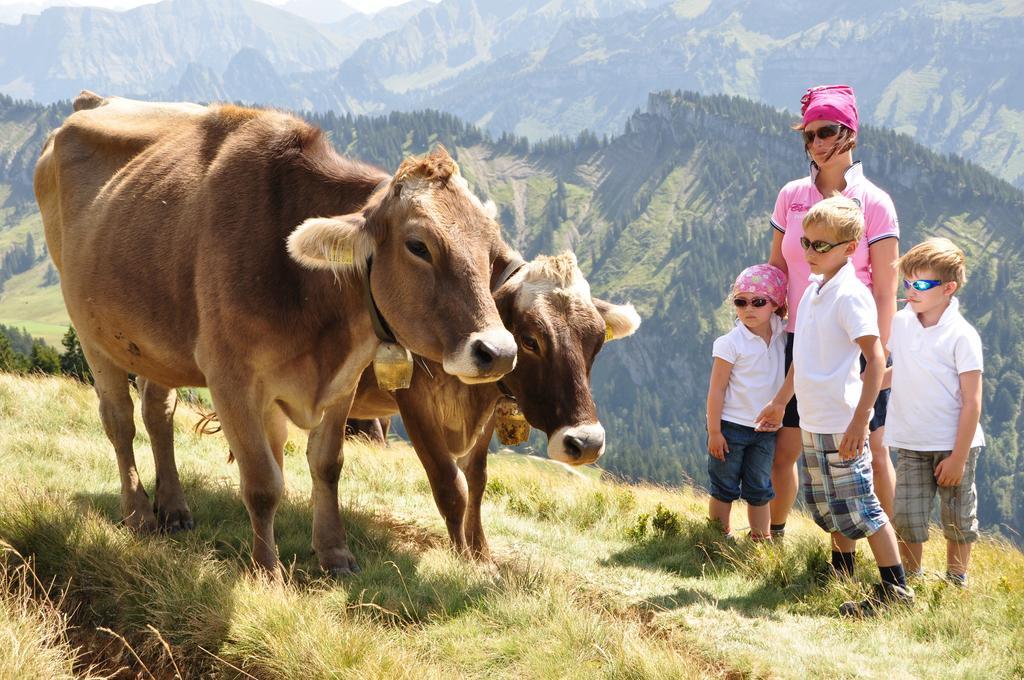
point(830, 102)
point(762, 279)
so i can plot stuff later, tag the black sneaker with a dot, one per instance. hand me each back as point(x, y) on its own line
point(883, 595)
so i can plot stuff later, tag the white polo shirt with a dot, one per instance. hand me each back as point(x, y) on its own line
point(924, 407)
point(758, 370)
point(826, 357)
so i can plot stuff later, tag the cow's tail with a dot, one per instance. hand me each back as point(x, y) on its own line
point(210, 424)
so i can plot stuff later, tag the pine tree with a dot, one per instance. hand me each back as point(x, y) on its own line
point(10, 360)
point(72, 362)
point(44, 359)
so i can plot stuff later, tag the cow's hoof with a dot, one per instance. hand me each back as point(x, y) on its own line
point(173, 521)
point(142, 523)
point(340, 563)
point(344, 572)
point(177, 526)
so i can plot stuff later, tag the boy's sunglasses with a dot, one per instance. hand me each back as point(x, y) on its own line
point(921, 284)
point(756, 302)
point(820, 246)
point(824, 132)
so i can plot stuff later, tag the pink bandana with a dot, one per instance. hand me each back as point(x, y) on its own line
point(830, 102)
point(762, 279)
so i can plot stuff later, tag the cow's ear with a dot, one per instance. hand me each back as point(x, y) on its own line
point(334, 243)
point(620, 320)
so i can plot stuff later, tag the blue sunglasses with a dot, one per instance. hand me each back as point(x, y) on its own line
point(921, 284)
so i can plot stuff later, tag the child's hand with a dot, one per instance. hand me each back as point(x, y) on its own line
point(770, 418)
point(717, 446)
point(854, 438)
point(950, 471)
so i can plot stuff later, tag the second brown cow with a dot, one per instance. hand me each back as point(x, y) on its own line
point(560, 329)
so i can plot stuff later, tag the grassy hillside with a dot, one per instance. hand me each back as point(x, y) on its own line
point(593, 578)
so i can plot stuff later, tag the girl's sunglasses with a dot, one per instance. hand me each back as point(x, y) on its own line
point(820, 246)
point(921, 284)
point(824, 132)
point(756, 302)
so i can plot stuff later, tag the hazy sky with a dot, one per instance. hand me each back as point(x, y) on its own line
point(34, 6)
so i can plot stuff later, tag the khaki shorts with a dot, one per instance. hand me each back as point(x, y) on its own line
point(915, 497)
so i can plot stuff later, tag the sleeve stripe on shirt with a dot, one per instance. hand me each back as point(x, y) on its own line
point(882, 238)
point(776, 226)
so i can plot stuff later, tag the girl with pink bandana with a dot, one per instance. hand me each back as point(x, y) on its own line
point(829, 130)
point(748, 369)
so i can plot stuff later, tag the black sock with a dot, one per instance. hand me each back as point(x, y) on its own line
point(960, 579)
point(778, 530)
point(842, 562)
point(894, 575)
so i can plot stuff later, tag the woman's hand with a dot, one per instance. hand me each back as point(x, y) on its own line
point(770, 417)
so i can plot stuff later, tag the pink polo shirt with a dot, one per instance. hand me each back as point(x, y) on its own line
point(797, 197)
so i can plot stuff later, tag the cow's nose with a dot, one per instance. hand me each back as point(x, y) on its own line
point(483, 357)
point(484, 353)
point(493, 358)
point(577, 445)
point(573, 446)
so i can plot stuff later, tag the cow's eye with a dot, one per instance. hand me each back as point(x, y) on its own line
point(530, 344)
point(419, 249)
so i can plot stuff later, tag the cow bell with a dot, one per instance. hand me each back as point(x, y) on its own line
point(392, 365)
point(510, 423)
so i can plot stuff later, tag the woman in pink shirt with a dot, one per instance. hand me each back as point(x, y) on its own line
point(829, 130)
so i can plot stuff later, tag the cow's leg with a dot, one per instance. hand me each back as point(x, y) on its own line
point(326, 455)
point(276, 424)
point(118, 417)
point(447, 482)
point(158, 406)
point(474, 466)
point(243, 421)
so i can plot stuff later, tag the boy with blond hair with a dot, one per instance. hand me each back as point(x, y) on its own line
point(839, 323)
point(935, 408)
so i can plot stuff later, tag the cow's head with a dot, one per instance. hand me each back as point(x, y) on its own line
point(433, 246)
point(560, 329)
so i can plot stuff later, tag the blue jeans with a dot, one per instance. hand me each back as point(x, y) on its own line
point(746, 471)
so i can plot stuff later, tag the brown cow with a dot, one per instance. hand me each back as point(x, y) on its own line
point(560, 329)
point(232, 248)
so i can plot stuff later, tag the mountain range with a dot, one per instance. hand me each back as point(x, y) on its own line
point(946, 72)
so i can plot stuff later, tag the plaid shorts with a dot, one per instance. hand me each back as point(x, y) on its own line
point(840, 493)
point(915, 497)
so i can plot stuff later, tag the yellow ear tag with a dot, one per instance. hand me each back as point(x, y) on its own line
point(509, 423)
point(609, 334)
point(340, 252)
point(392, 365)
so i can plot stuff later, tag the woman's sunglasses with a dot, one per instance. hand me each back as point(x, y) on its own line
point(921, 284)
point(756, 302)
point(820, 246)
point(824, 132)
